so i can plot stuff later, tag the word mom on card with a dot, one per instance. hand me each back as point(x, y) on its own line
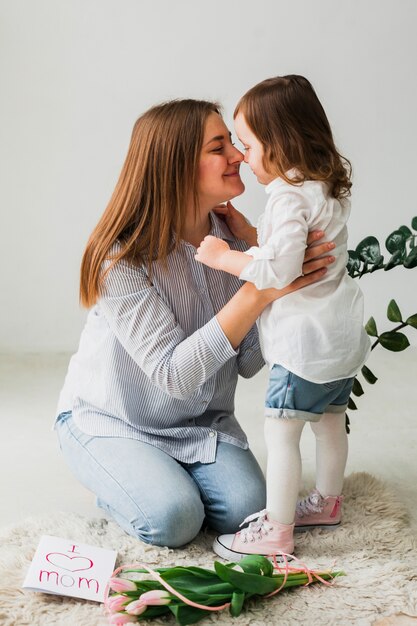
point(71, 569)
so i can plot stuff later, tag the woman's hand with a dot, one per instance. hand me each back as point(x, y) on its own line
point(237, 223)
point(316, 260)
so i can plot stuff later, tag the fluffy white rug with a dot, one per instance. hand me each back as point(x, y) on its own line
point(374, 547)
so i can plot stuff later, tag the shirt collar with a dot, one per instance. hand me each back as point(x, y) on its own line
point(277, 182)
point(219, 228)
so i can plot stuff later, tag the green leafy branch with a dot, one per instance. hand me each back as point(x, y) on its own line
point(401, 244)
point(393, 340)
point(367, 258)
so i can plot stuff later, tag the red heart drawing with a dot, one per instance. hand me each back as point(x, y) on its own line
point(69, 563)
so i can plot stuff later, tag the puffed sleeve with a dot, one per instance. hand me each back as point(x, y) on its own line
point(279, 260)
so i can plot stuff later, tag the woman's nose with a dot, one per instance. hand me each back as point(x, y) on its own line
point(236, 156)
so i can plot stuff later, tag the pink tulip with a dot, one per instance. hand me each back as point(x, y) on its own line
point(119, 619)
point(116, 603)
point(137, 607)
point(121, 584)
point(155, 597)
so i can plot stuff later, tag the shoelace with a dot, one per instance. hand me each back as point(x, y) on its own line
point(256, 529)
point(313, 503)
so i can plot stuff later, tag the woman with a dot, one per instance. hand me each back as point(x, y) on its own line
point(146, 416)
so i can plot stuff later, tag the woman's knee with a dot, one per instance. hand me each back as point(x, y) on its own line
point(171, 523)
point(179, 524)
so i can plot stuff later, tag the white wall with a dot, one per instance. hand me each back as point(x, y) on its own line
point(75, 74)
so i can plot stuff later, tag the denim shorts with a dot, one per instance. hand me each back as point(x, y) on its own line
point(290, 397)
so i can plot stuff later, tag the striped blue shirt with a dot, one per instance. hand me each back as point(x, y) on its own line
point(153, 362)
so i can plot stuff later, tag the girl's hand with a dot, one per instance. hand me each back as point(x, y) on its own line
point(210, 252)
point(237, 223)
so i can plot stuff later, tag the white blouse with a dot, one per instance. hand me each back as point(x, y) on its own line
point(316, 332)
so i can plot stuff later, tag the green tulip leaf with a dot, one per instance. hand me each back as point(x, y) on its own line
point(393, 312)
point(351, 404)
point(155, 611)
point(368, 375)
point(414, 223)
point(369, 250)
point(357, 388)
point(370, 327)
point(236, 604)
point(256, 564)
point(412, 320)
point(394, 341)
point(185, 614)
point(251, 583)
point(395, 241)
point(411, 259)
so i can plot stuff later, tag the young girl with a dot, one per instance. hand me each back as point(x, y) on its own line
point(313, 340)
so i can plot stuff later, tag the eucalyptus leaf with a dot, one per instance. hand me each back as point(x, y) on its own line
point(394, 341)
point(412, 320)
point(357, 388)
point(396, 259)
point(393, 312)
point(395, 241)
point(406, 231)
point(369, 250)
point(411, 259)
point(379, 262)
point(354, 262)
point(368, 375)
point(351, 404)
point(370, 327)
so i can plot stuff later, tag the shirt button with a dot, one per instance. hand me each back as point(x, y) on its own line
point(212, 434)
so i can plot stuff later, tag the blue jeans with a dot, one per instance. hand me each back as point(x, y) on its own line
point(156, 498)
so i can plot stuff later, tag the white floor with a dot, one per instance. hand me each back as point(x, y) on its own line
point(35, 480)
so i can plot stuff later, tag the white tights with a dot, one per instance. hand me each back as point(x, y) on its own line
point(283, 473)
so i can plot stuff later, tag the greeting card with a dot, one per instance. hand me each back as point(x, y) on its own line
point(65, 567)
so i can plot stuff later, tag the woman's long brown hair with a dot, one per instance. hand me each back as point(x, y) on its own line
point(146, 213)
point(288, 119)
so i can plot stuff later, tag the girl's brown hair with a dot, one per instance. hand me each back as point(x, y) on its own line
point(158, 181)
point(288, 119)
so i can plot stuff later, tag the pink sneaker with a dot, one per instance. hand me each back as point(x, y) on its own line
point(316, 511)
point(263, 536)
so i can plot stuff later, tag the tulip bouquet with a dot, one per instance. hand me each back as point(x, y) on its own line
point(190, 593)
